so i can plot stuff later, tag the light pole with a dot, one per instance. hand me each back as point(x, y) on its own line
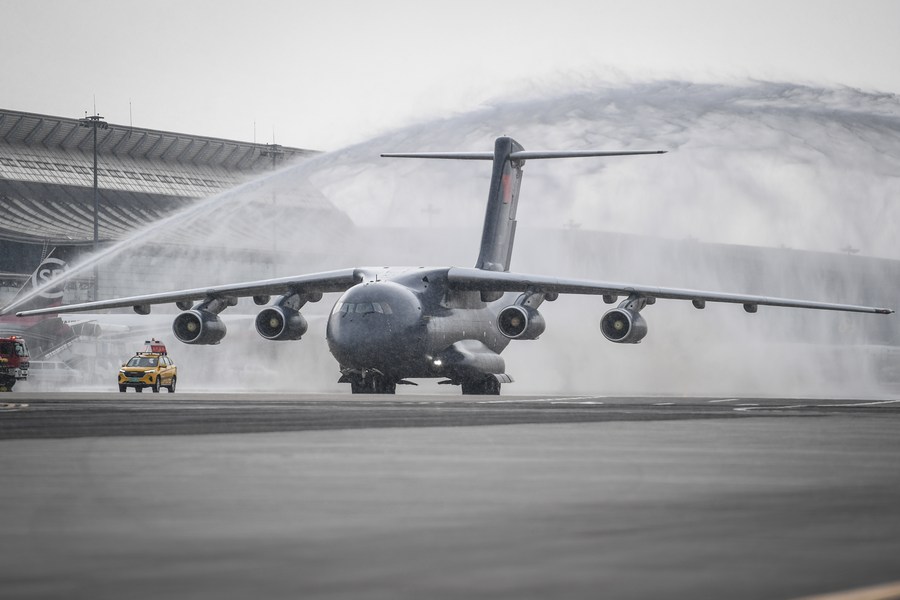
point(276, 152)
point(95, 122)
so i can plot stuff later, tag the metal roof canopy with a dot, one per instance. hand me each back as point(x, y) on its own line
point(29, 129)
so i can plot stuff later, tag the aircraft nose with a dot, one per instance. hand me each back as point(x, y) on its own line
point(360, 337)
point(376, 326)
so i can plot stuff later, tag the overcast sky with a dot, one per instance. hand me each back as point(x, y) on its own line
point(324, 74)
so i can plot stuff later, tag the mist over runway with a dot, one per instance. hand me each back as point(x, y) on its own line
point(787, 171)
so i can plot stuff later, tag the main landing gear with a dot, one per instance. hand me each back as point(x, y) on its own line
point(372, 383)
point(488, 386)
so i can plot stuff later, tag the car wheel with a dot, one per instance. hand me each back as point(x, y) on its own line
point(172, 385)
point(122, 388)
point(155, 386)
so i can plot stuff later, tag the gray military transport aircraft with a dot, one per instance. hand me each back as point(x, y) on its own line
point(397, 323)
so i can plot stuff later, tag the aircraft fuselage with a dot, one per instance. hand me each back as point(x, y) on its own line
point(408, 323)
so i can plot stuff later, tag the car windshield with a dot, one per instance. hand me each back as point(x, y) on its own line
point(142, 361)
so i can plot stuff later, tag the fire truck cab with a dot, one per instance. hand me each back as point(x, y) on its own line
point(14, 362)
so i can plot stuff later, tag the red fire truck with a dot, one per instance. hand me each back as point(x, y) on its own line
point(13, 362)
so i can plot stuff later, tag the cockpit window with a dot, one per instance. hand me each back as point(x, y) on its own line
point(363, 308)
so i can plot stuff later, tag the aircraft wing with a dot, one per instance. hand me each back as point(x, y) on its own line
point(494, 281)
point(329, 281)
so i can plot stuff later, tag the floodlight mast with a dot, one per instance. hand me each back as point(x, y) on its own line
point(95, 121)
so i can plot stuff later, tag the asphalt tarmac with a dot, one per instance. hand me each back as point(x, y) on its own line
point(107, 495)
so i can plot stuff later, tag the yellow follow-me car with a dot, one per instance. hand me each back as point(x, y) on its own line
point(151, 367)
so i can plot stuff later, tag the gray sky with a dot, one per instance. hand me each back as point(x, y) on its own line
point(323, 74)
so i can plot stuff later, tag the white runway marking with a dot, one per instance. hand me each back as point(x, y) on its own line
point(572, 400)
point(748, 407)
point(724, 400)
point(863, 403)
point(585, 402)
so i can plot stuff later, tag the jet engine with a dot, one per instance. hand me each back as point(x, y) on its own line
point(623, 326)
point(198, 327)
point(520, 322)
point(280, 323)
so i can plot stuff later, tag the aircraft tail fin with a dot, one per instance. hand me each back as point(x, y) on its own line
point(499, 231)
point(509, 157)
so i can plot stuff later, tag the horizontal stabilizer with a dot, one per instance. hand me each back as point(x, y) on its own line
point(528, 155)
point(520, 155)
point(451, 155)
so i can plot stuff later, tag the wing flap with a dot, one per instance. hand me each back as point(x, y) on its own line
point(329, 281)
point(492, 281)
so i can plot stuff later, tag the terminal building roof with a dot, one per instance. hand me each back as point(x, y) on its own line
point(46, 174)
point(135, 143)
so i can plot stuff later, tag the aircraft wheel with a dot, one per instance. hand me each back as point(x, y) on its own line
point(489, 386)
point(373, 384)
point(360, 387)
point(384, 386)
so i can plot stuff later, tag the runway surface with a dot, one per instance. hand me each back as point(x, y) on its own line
point(108, 495)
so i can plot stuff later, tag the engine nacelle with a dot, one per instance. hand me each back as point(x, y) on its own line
point(623, 326)
point(280, 323)
point(520, 322)
point(198, 327)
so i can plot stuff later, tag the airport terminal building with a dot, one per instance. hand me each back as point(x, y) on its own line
point(143, 175)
